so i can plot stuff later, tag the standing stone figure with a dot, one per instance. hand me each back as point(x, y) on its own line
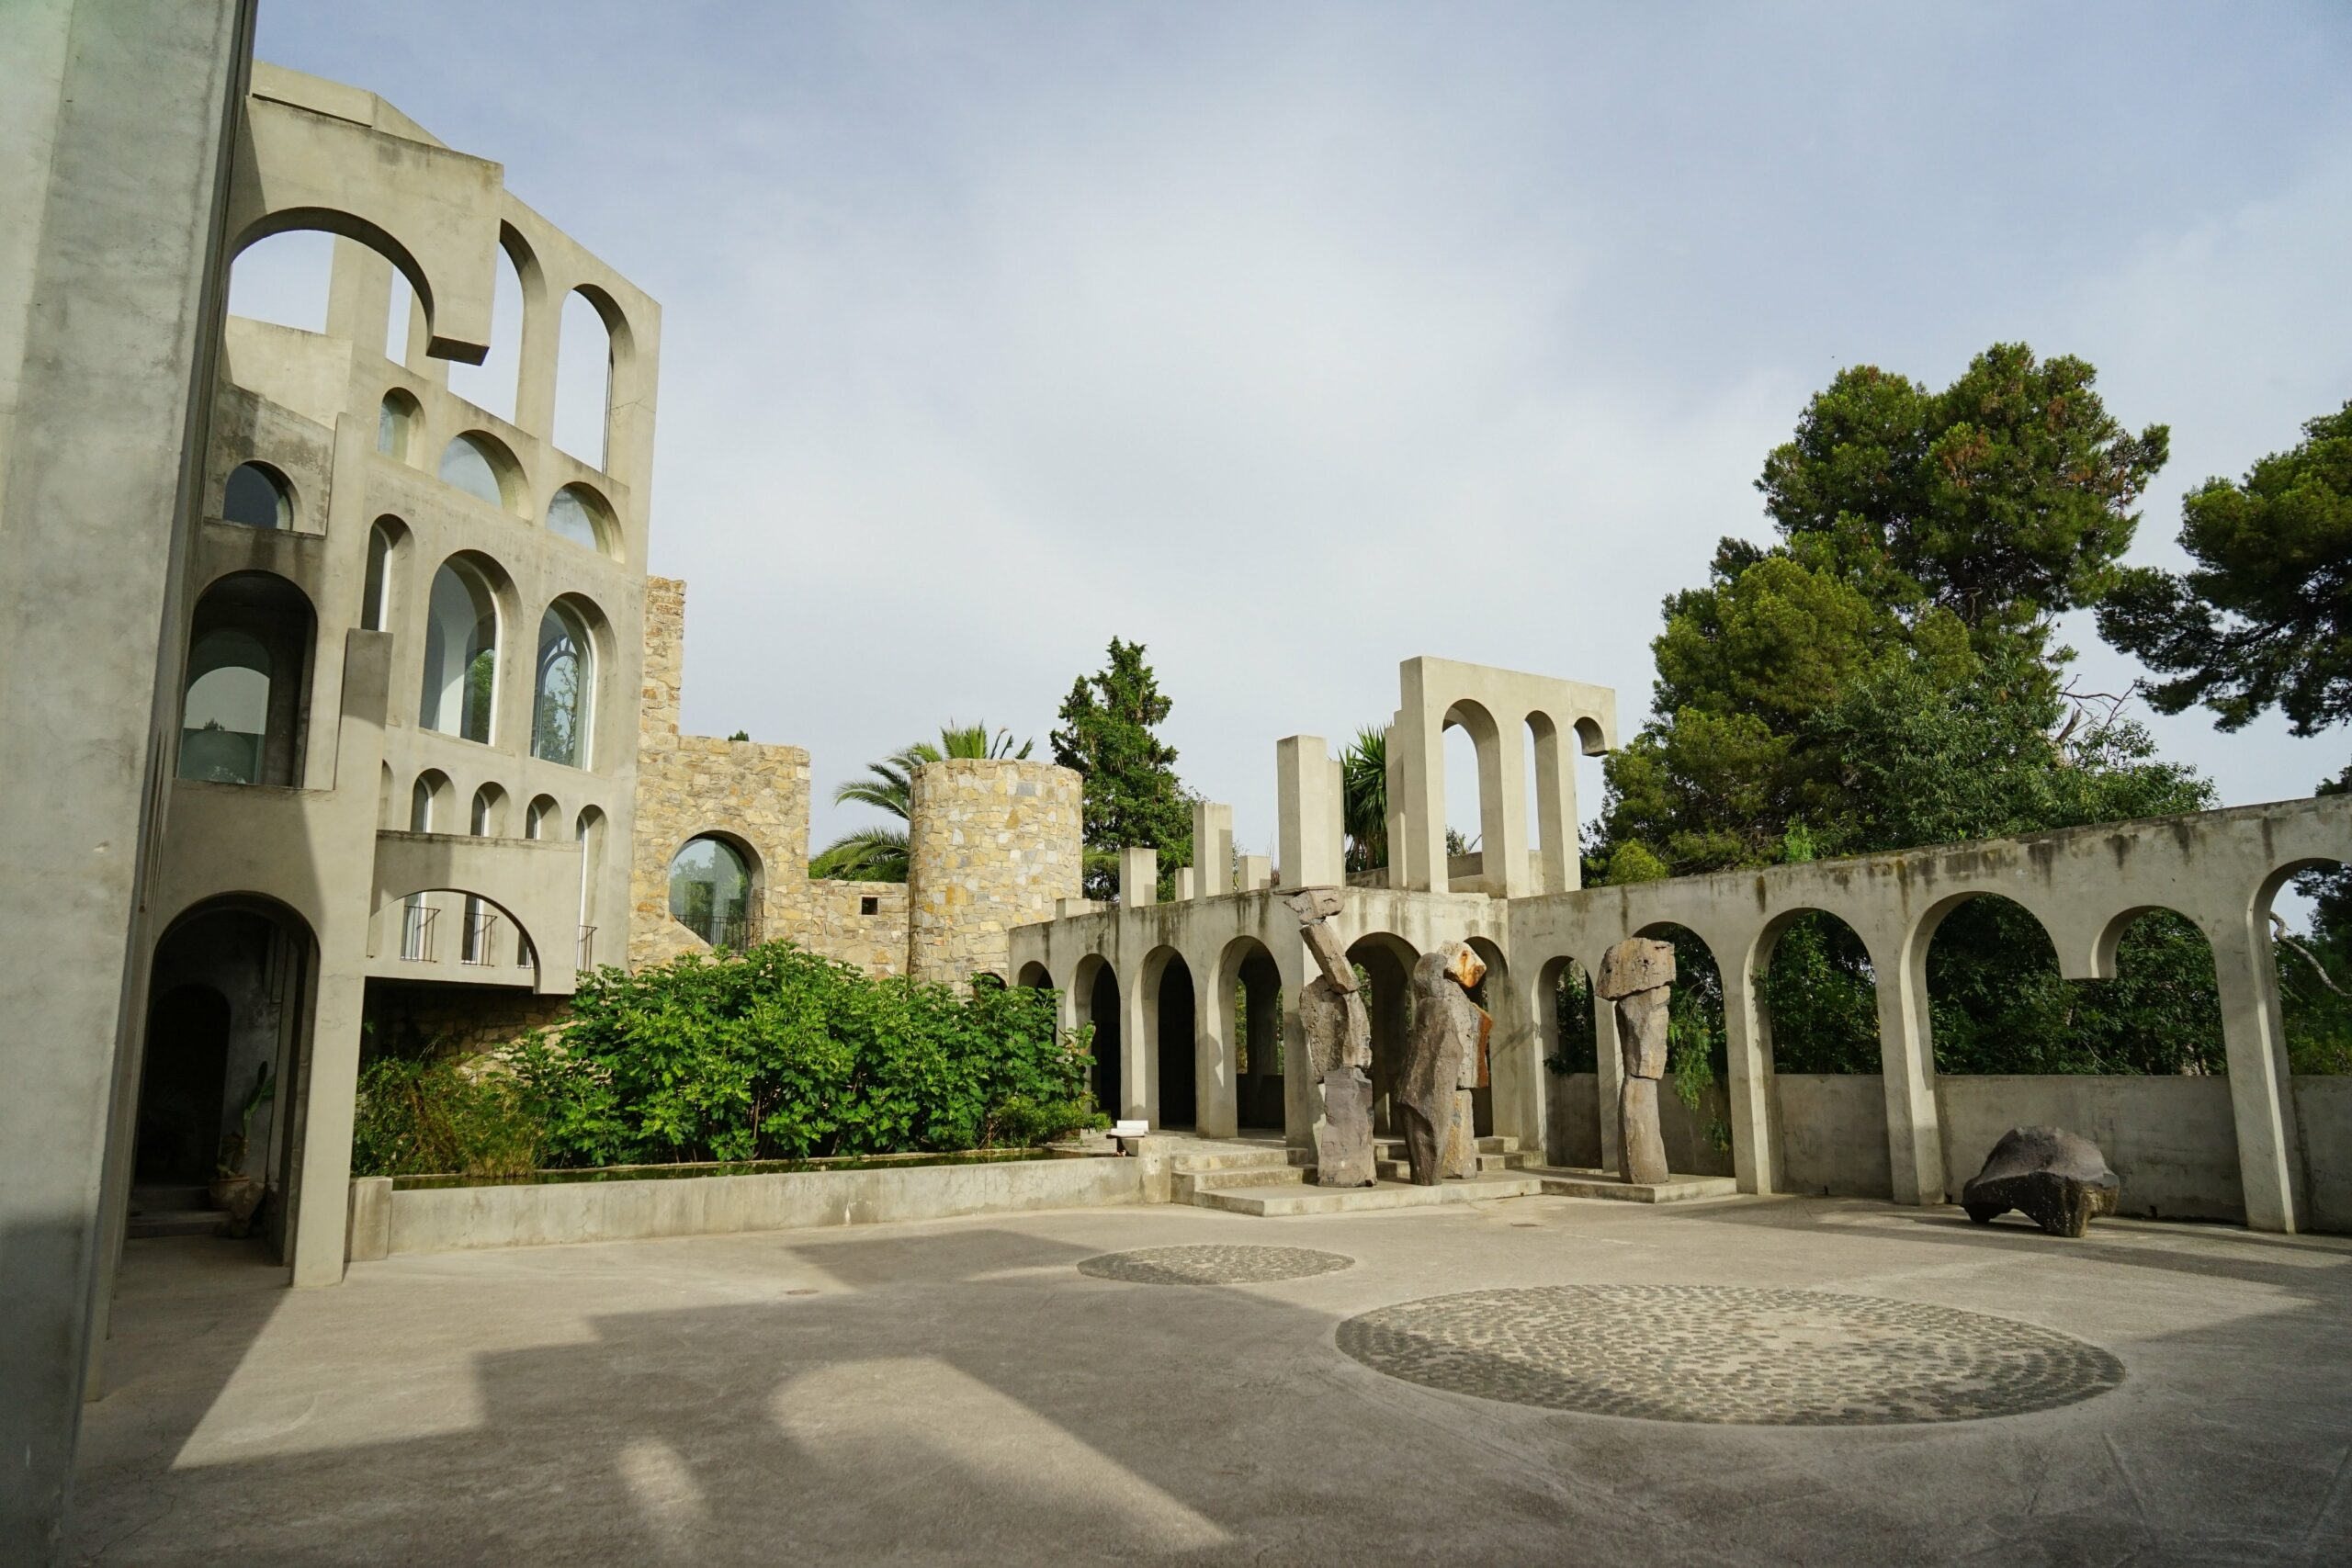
point(1339, 1048)
point(1445, 1053)
point(1638, 975)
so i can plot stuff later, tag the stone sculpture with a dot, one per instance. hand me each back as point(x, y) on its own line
point(1637, 975)
point(2056, 1178)
point(1338, 1047)
point(1446, 1057)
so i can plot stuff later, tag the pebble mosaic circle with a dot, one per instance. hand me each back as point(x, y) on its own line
point(1727, 1355)
point(1213, 1265)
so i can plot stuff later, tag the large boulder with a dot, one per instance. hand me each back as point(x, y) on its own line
point(2056, 1178)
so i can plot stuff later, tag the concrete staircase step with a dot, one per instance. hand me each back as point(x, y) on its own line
point(1561, 1183)
point(174, 1222)
point(1274, 1202)
point(1184, 1186)
point(1390, 1147)
point(1396, 1167)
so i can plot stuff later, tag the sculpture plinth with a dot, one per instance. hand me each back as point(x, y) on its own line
point(1637, 976)
point(1338, 1047)
point(1446, 1057)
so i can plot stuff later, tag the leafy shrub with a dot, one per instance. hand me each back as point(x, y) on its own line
point(778, 1053)
point(430, 1116)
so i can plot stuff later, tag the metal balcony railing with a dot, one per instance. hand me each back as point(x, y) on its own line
point(481, 926)
point(416, 933)
point(587, 959)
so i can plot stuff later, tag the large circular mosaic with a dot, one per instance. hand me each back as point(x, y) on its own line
point(1213, 1265)
point(1727, 1354)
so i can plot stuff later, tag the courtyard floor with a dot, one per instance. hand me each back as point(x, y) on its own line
point(994, 1389)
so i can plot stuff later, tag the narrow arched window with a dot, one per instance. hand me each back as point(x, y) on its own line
point(375, 594)
point(565, 690)
point(224, 722)
point(573, 516)
point(710, 891)
point(460, 654)
point(420, 807)
point(473, 465)
point(258, 496)
point(396, 422)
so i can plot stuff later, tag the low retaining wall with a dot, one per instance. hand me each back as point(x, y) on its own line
point(454, 1219)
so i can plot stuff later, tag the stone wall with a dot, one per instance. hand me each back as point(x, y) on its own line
point(754, 796)
point(992, 845)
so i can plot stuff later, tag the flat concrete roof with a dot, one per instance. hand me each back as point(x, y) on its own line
point(960, 1391)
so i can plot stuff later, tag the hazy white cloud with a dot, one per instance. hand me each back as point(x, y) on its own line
point(1295, 340)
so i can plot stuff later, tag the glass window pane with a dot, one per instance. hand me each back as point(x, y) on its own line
point(256, 498)
point(710, 891)
point(570, 517)
point(466, 464)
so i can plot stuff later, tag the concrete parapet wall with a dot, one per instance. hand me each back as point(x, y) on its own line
point(991, 844)
point(459, 1219)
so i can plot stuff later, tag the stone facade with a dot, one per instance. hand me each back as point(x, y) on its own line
point(756, 798)
point(993, 844)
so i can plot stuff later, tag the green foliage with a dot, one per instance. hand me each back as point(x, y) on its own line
point(741, 735)
point(433, 1116)
point(1694, 1044)
point(779, 1053)
point(1133, 799)
point(2264, 618)
point(1364, 796)
point(878, 853)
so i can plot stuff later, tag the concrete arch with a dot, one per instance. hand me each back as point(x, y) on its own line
point(1167, 1005)
point(1035, 975)
point(1387, 959)
point(454, 942)
point(1093, 1000)
point(1242, 1050)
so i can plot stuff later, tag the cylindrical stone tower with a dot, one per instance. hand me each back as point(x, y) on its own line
point(990, 844)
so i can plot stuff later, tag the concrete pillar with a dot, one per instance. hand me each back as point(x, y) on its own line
point(359, 298)
point(1555, 808)
point(1515, 1058)
point(1139, 1072)
point(1139, 877)
point(1216, 1111)
point(1299, 1078)
point(1186, 888)
point(1753, 1106)
point(1609, 1067)
point(542, 331)
point(1308, 803)
point(1416, 760)
point(1255, 873)
point(1914, 1151)
point(1211, 849)
point(1336, 847)
point(2271, 1165)
point(1502, 809)
point(117, 120)
point(1391, 742)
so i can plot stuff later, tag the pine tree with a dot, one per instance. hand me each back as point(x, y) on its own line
point(1132, 797)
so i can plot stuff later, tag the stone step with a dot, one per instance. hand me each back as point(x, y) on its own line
point(173, 1222)
point(1184, 1186)
point(1561, 1183)
point(1393, 1148)
point(1395, 1168)
point(1201, 1161)
point(1274, 1202)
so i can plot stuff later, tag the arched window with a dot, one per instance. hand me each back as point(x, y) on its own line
point(396, 423)
point(565, 691)
point(583, 379)
point(574, 514)
point(475, 464)
point(542, 811)
point(460, 654)
point(710, 891)
point(259, 497)
point(225, 719)
point(376, 594)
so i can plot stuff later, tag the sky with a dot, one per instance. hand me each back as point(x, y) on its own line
point(1296, 339)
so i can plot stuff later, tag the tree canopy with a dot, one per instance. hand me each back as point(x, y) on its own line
point(2264, 618)
point(1132, 797)
point(878, 853)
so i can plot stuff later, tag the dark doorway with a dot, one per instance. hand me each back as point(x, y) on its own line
point(1179, 1099)
point(182, 1088)
point(1102, 1010)
point(1257, 1019)
point(1385, 964)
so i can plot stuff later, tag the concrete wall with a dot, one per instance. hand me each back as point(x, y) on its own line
point(454, 1219)
point(2324, 1106)
point(1833, 1133)
point(2169, 1140)
point(116, 135)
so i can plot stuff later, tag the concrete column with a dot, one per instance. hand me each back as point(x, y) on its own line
point(1187, 886)
point(1391, 741)
point(542, 331)
point(1502, 812)
point(1608, 1065)
point(1555, 809)
point(360, 297)
point(1307, 835)
point(1748, 1041)
point(1216, 1110)
point(1139, 877)
point(1337, 848)
point(1515, 1058)
point(1255, 873)
point(1211, 849)
point(2271, 1165)
point(117, 120)
point(1914, 1151)
point(1416, 758)
point(1139, 1072)
point(1298, 1078)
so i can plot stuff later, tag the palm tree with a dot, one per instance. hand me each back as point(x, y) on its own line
point(878, 853)
point(1364, 798)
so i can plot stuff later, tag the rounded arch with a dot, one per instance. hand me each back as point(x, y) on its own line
point(714, 881)
point(1694, 1109)
point(488, 817)
point(431, 800)
point(2313, 965)
point(400, 426)
point(482, 466)
point(284, 279)
point(588, 831)
point(1036, 977)
point(258, 495)
point(1568, 1044)
point(540, 816)
point(1816, 983)
point(387, 553)
point(1094, 1000)
point(350, 226)
point(1384, 960)
point(463, 616)
point(563, 683)
point(1171, 1035)
point(578, 513)
point(244, 698)
point(583, 379)
point(1246, 989)
point(489, 933)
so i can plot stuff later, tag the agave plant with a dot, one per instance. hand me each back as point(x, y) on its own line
point(878, 853)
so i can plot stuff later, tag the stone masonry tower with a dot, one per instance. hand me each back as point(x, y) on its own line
point(990, 845)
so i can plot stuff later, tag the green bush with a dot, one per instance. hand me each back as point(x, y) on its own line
point(430, 1117)
point(777, 1054)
